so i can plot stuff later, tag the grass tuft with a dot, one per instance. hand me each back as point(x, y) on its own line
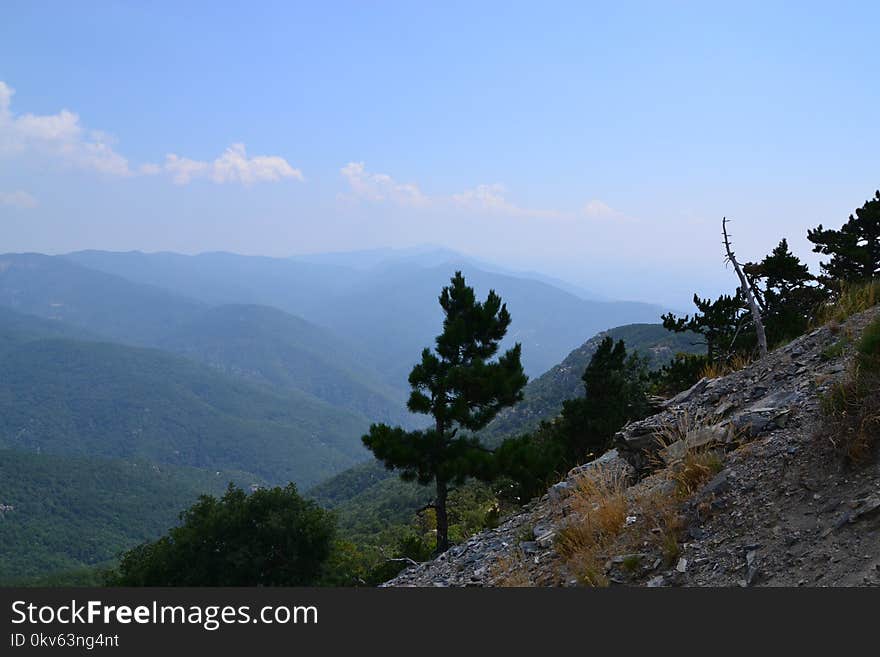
point(851, 408)
point(850, 300)
point(599, 507)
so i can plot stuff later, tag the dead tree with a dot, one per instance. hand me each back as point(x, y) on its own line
point(746, 287)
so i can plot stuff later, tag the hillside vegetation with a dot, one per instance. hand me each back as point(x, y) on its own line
point(101, 303)
point(101, 399)
point(544, 396)
point(268, 346)
point(71, 513)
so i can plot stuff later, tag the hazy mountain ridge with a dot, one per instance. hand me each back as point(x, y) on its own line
point(388, 309)
point(268, 346)
point(101, 303)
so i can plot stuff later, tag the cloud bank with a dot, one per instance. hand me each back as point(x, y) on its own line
point(62, 138)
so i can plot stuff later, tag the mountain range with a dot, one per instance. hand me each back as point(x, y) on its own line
point(132, 379)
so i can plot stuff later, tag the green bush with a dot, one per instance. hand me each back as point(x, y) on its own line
point(271, 537)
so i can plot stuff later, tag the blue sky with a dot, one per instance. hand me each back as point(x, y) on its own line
point(600, 143)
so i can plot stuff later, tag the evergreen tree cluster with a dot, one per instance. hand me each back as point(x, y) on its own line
point(789, 296)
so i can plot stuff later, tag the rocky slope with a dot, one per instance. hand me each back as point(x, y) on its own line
point(780, 510)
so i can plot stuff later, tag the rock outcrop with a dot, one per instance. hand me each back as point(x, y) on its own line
point(782, 511)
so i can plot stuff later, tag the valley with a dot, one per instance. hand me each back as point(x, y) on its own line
point(174, 375)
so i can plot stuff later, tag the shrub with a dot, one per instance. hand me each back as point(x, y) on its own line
point(271, 537)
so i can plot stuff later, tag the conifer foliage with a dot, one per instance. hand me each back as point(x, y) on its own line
point(461, 387)
point(854, 248)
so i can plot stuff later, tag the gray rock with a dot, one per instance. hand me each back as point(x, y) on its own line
point(559, 491)
point(674, 452)
point(546, 540)
point(610, 461)
point(690, 393)
point(716, 434)
point(656, 582)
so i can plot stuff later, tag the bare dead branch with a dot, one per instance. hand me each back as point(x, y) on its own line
point(747, 290)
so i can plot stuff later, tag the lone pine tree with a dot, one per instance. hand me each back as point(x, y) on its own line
point(462, 388)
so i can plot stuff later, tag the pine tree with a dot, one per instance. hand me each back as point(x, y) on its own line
point(462, 388)
point(723, 323)
point(787, 292)
point(614, 394)
point(854, 249)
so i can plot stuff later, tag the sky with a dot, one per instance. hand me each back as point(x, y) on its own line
point(597, 142)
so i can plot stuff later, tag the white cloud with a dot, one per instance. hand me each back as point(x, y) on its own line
point(492, 198)
point(484, 197)
point(233, 166)
point(60, 136)
point(381, 187)
point(183, 169)
point(597, 209)
point(18, 199)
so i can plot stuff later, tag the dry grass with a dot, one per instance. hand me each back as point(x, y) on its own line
point(599, 530)
point(852, 417)
point(850, 300)
point(851, 409)
point(671, 431)
point(659, 524)
point(713, 370)
point(511, 572)
point(599, 509)
point(680, 428)
point(733, 363)
point(696, 468)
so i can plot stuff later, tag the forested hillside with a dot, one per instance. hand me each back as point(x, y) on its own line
point(69, 513)
point(101, 399)
point(101, 303)
point(545, 394)
point(268, 346)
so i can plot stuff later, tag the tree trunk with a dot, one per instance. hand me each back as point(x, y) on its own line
point(747, 290)
point(442, 520)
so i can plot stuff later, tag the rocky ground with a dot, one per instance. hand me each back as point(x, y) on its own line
point(782, 510)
